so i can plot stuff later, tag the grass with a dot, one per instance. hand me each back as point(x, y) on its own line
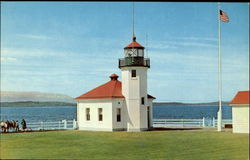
point(172, 145)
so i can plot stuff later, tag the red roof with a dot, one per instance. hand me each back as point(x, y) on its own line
point(134, 44)
point(111, 89)
point(242, 97)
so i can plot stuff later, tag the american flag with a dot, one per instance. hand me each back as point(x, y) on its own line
point(223, 16)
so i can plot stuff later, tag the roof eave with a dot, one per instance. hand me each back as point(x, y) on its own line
point(239, 103)
point(85, 98)
point(130, 47)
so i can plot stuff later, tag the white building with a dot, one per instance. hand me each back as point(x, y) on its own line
point(240, 112)
point(119, 105)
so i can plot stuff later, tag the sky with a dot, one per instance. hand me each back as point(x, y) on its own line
point(73, 47)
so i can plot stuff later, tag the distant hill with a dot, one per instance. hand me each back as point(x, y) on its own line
point(35, 104)
point(12, 96)
point(188, 104)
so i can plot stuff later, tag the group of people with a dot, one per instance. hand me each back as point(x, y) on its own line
point(6, 125)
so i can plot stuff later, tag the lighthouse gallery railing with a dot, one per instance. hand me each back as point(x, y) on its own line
point(134, 61)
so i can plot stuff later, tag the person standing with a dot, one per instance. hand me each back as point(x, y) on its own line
point(23, 123)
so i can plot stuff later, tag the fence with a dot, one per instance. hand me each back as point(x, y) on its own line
point(72, 124)
point(56, 125)
point(204, 122)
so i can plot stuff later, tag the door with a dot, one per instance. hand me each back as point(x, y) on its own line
point(148, 116)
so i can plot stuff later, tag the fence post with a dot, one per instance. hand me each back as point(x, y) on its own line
point(65, 123)
point(74, 124)
point(203, 122)
point(213, 122)
point(42, 125)
point(59, 125)
point(182, 123)
point(165, 122)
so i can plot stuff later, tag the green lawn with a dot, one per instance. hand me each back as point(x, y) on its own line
point(172, 145)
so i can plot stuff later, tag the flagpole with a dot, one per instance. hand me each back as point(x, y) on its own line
point(219, 113)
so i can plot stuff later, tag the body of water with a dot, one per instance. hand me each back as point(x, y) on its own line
point(36, 114)
point(56, 113)
point(190, 112)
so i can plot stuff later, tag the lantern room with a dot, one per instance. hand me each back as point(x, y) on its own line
point(134, 55)
point(134, 49)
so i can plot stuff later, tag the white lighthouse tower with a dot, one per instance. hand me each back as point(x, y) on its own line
point(134, 87)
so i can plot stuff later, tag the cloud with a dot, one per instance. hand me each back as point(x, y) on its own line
point(33, 36)
point(179, 57)
point(52, 62)
point(195, 44)
point(177, 44)
point(24, 52)
point(34, 53)
point(161, 46)
point(197, 38)
point(192, 66)
point(174, 67)
point(3, 59)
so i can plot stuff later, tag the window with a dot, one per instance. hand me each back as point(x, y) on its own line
point(133, 73)
point(142, 100)
point(100, 114)
point(127, 53)
point(118, 115)
point(87, 114)
point(140, 51)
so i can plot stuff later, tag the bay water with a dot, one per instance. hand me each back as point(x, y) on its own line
point(57, 113)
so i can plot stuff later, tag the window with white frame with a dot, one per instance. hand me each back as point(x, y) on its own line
point(88, 114)
point(118, 115)
point(100, 116)
point(133, 73)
